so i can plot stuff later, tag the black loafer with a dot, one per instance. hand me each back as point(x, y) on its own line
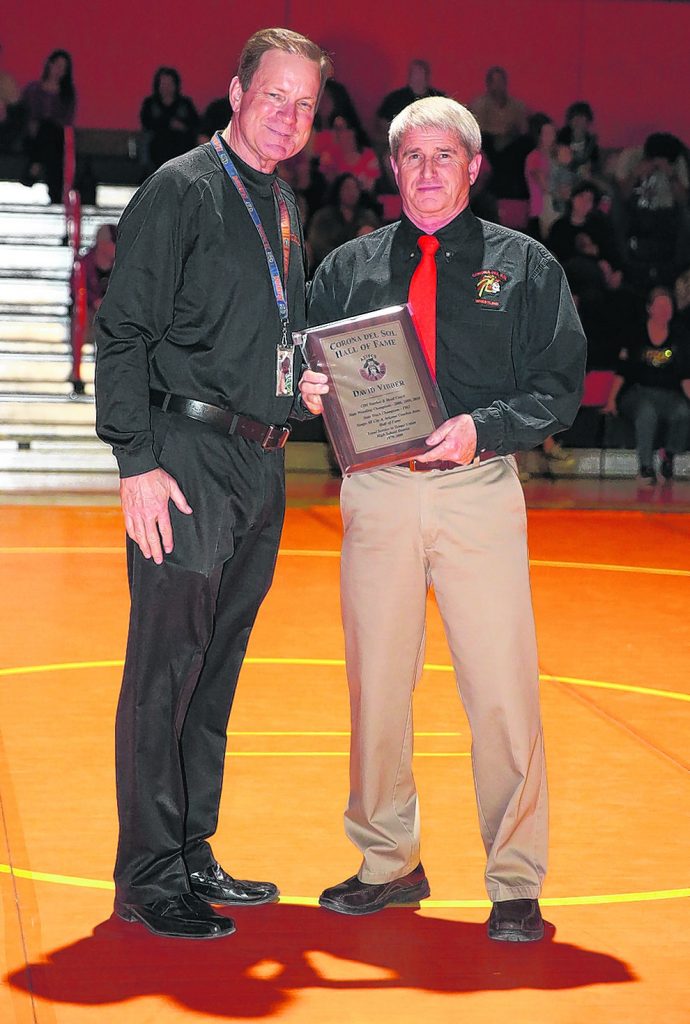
point(355, 897)
point(516, 921)
point(216, 886)
point(177, 917)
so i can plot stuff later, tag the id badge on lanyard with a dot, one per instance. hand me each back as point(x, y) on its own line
point(285, 350)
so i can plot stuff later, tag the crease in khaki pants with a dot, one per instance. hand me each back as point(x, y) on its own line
point(464, 530)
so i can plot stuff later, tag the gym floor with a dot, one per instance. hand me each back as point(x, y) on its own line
point(612, 600)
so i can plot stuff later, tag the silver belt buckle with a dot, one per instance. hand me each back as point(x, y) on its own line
point(275, 437)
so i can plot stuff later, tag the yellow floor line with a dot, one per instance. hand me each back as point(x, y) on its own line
point(311, 901)
point(543, 563)
point(603, 567)
point(646, 691)
point(320, 732)
point(327, 753)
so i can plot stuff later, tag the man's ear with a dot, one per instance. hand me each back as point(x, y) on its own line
point(235, 93)
point(394, 168)
point(473, 167)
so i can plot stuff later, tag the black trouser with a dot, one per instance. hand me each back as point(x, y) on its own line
point(189, 629)
point(47, 148)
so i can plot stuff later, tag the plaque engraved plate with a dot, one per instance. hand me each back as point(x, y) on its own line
point(383, 402)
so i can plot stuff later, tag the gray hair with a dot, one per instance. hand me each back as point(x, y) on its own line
point(442, 114)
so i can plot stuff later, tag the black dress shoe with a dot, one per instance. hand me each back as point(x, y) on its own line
point(667, 467)
point(216, 886)
point(177, 917)
point(647, 474)
point(355, 897)
point(516, 921)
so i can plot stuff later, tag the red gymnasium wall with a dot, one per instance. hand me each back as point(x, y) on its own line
point(630, 59)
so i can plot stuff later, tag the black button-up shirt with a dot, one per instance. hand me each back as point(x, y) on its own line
point(510, 349)
point(190, 307)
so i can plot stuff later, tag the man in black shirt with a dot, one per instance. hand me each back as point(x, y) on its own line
point(418, 86)
point(193, 390)
point(509, 358)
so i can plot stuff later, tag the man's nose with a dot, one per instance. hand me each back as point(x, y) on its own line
point(288, 113)
point(428, 168)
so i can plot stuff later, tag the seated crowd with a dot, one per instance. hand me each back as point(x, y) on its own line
point(618, 221)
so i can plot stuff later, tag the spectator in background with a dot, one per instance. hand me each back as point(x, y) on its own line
point(418, 86)
point(335, 103)
point(609, 311)
point(564, 179)
point(503, 121)
point(345, 149)
point(652, 384)
point(336, 100)
point(583, 219)
point(216, 117)
point(576, 133)
point(96, 265)
point(502, 118)
point(345, 217)
point(9, 109)
point(658, 232)
point(540, 168)
point(681, 294)
point(48, 108)
point(169, 119)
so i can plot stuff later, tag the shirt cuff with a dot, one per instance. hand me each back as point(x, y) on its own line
point(489, 426)
point(299, 410)
point(135, 463)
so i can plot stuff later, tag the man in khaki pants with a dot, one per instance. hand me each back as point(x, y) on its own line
point(502, 336)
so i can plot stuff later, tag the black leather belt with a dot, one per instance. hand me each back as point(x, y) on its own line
point(415, 466)
point(269, 436)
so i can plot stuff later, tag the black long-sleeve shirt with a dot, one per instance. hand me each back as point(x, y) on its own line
point(190, 307)
point(665, 365)
point(510, 349)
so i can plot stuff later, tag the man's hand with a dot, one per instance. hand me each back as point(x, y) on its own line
point(454, 441)
point(312, 385)
point(145, 505)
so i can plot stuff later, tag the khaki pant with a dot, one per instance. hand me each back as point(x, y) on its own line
point(464, 531)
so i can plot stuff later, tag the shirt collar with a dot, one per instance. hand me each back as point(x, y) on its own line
point(257, 181)
point(452, 236)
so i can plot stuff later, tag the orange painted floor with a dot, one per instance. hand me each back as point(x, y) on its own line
point(612, 599)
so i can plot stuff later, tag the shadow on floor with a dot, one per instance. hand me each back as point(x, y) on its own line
point(279, 950)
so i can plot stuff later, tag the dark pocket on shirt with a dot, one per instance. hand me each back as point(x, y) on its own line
point(480, 353)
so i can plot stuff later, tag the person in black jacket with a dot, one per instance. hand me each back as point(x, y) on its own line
point(193, 393)
point(169, 119)
point(651, 386)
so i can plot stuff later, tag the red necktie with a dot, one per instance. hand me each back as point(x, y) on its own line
point(422, 298)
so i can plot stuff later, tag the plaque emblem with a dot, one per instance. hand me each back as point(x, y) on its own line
point(372, 369)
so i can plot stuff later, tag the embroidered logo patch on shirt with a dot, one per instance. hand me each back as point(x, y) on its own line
point(488, 284)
